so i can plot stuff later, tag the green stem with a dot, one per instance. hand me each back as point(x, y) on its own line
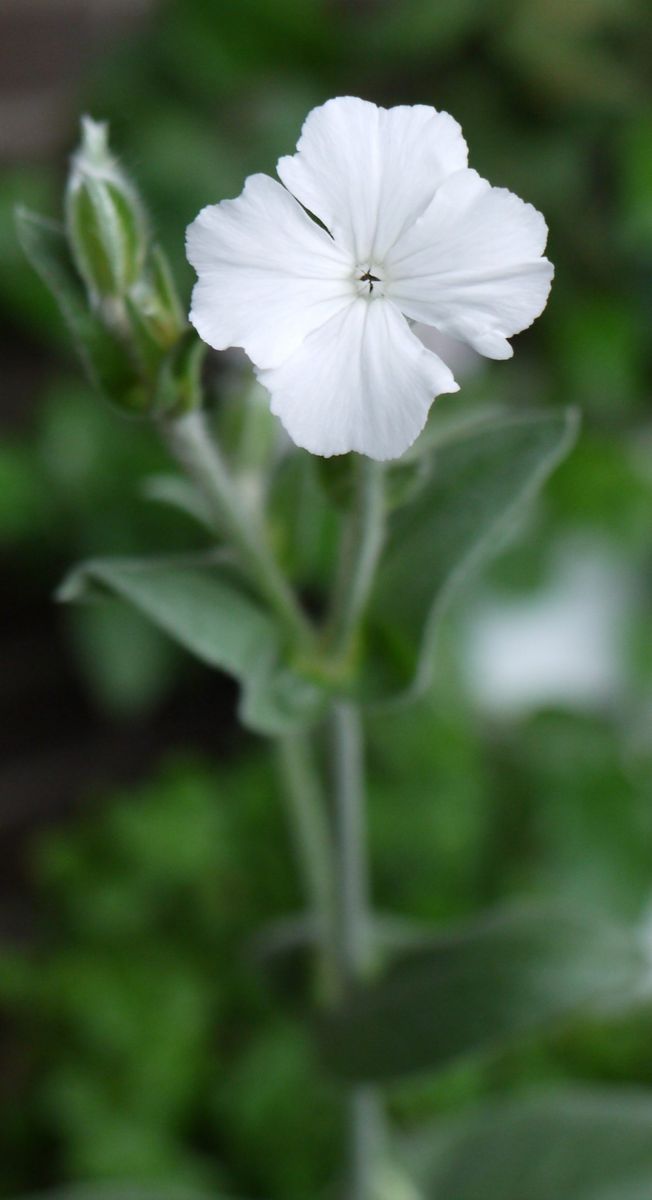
point(361, 547)
point(191, 444)
point(314, 849)
point(354, 933)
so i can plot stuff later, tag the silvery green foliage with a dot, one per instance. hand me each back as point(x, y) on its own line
point(563, 1144)
point(408, 233)
point(480, 986)
point(205, 608)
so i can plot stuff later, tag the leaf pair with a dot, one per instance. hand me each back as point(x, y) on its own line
point(461, 513)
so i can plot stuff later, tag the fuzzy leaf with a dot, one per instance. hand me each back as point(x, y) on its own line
point(480, 481)
point(474, 989)
point(579, 1144)
point(201, 604)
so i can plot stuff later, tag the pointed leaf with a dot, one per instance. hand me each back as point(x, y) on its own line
point(470, 991)
point(567, 1145)
point(201, 604)
point(479, 483)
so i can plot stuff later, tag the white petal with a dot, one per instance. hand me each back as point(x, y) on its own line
point(362, 382)
point(472, 266)
point(369, 172)
point(268, 274)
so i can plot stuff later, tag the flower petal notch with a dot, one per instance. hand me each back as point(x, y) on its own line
point(404, 232)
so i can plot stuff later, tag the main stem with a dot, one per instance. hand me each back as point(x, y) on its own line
point(354, 933)
point(362, 543)
point(336, 875)
point(354, 944)
point(200, 456)
point(314, 849)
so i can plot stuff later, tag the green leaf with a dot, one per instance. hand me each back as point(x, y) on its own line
point(567, 1145)
point(480, 480)
point(201, 604)
point(474, 989)
point(104, 358)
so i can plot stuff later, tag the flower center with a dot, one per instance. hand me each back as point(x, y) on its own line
point(369, 280)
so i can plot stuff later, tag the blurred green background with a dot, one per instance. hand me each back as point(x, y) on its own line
point(143, 838)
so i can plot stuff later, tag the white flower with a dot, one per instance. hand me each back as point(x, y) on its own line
point(411, 234)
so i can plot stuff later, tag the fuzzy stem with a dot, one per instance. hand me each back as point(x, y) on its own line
point(354, 932)
point(354, 943)
point(191, 444)
point(314, 848)
point(361, 547)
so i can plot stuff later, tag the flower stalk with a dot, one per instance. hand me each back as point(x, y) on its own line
point(309, 825)
point(354, 941)
point(197, 452)
point(361, 547)
point(354, 932)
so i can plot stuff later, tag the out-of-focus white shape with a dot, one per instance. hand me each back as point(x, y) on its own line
point(560, 646)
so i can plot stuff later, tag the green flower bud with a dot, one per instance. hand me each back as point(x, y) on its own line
point(178, 388)
point(154, 308)
point(105, 219)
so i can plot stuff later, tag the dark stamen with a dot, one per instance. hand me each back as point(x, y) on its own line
point(370, 279)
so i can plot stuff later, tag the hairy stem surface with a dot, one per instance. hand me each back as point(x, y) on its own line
point(361, 547)
point(354, 940)
point(314, 848)
point(191, 444)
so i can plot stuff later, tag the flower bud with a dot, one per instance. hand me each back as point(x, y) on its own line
point(105, 219)
point(154, 307)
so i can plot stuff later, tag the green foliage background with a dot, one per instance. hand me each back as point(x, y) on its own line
point(153, 1046)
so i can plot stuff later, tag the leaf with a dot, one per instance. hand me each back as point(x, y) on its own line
point(104, 359)
point(481, 479)
point(200, 603)
point(284, 948)
point(574, 1144)
point(470, 991)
